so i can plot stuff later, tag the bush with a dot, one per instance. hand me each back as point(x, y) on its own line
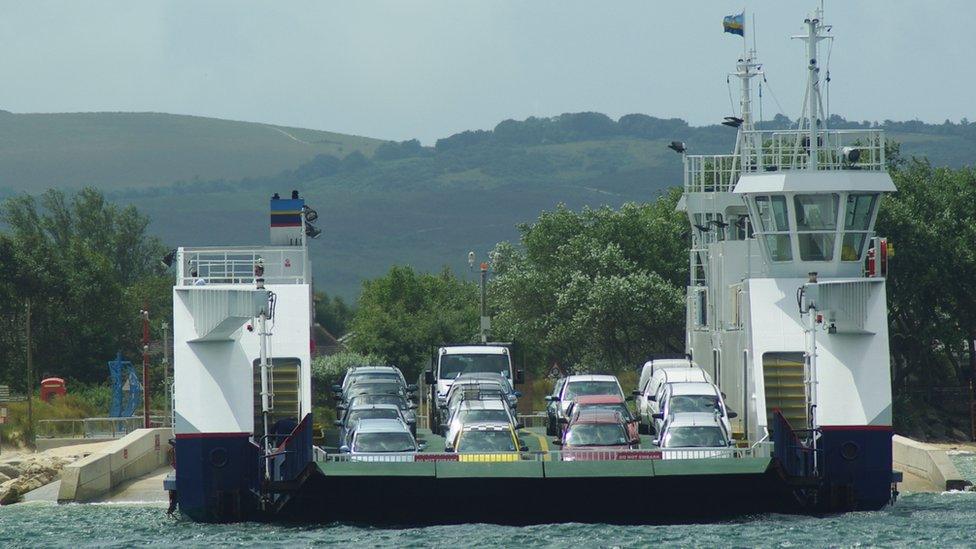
point(329, 370)
point(69, 407)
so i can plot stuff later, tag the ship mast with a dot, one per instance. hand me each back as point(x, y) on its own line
point(812, 100)
point(747, 68)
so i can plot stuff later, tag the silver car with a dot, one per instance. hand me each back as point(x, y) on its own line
point(694, 435)
point(381, 440)
point(478, 411)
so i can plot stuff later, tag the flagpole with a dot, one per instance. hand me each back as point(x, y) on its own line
point(745, 46)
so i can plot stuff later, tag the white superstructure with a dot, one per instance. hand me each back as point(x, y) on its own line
point(218, 300)
point(784, 205)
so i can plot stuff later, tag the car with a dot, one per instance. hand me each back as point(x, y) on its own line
point(583, 385)
point(647, 398)
point(379, 373)
point(553, 427)
point(487, 442)
point(469, 390)
point(373, 387)
point(690, 397)
point(608, 403)
point(464, 383)
point(451, 361)
point(510, 393)
point(406, 407)
point(478, 411)
point(352, 416)
point(381, 440)
point(595, 430)
point(702, 432)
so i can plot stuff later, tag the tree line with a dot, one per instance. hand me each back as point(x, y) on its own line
point(594, 289)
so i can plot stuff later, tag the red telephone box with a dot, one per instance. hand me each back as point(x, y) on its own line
point(52, 386)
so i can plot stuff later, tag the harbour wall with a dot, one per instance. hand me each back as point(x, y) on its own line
point(136, 454)
point(927, 461)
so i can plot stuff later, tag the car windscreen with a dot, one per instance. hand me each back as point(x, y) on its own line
point(374, 388)
point(454, 365)
point(694, 437)
point(475, 416)
point(692, 403)
point(596, 434)
point(587, 388)
point(383, 442)
point(475, 392)
point(485, 441)
point(372, 376)
point(621, 409)
point(382, 399)
point(382, 413)
point(499, 380)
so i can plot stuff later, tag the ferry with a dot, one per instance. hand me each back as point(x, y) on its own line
point(786, 312)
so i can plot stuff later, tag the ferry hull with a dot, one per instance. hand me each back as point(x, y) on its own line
point(590, 499)
point(217, 476)
point(554, 492)
point(857, 466)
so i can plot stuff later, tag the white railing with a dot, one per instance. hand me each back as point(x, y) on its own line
point(529, 421)
point(764, 151)
point(235, 265)
point(95, 427)
point(758, 450)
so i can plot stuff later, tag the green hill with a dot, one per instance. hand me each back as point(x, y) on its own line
point(113, 150)
point(382, 203)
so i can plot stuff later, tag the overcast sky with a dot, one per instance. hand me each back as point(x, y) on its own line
point(400, 69)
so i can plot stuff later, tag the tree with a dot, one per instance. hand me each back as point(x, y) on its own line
point(403, 315)
point(87, 267)
point(931, 223)
point(599, 289)
point(332, 313)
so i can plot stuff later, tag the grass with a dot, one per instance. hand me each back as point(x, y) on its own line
point(114, 150)
point(69, 407)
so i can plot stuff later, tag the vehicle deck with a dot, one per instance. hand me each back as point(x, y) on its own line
point(538, 462)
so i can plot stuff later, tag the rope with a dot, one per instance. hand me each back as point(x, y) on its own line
point(776, 99)
point(728, 84)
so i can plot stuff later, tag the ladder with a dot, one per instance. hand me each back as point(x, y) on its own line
point(284, 384)
point(783, 381)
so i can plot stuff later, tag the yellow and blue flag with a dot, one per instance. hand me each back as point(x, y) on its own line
point(735, 24)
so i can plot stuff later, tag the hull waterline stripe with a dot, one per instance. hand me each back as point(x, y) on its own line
point(856, 428)
point(211, 435)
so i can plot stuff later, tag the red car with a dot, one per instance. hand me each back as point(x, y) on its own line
point(592, 430)
point(609, 403)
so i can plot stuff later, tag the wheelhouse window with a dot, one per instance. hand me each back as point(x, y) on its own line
point(857, 223)
point(774, 222)
point(816, 224)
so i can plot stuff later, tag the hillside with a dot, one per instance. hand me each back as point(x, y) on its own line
point(380, 203)
point(114, 150)
point(428, 206)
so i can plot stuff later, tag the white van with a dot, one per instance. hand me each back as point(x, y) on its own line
point(651, 365)
point(648, 399)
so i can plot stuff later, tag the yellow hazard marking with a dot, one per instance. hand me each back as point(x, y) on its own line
point(543, 445)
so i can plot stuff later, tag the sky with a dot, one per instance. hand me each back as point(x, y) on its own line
point(425, 69)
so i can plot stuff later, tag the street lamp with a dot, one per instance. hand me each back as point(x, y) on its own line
point(485, 322)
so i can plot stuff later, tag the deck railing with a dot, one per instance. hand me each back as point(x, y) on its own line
point(766, 151)
point(760, 450)
point(235, 265)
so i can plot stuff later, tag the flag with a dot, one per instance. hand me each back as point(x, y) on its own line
point(736, 24)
